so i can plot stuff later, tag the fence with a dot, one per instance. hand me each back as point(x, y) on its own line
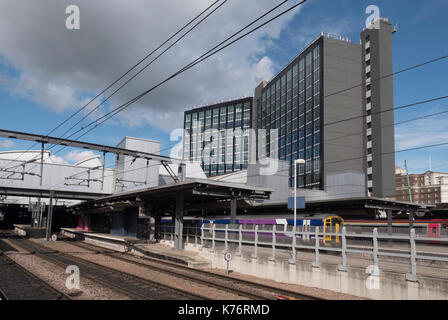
point(283, 237)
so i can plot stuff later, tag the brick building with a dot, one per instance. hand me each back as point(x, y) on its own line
point(427, 188)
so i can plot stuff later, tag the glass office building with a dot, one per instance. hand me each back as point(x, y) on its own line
point(321, 108)
point(217, 136)
point(291, 104)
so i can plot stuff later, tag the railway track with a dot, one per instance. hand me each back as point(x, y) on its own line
point(240, 287)
point(17, 283)
point(130, 285)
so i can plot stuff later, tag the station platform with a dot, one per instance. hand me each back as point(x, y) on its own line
point(83, 234)
point(138, 247)
point(28, 231)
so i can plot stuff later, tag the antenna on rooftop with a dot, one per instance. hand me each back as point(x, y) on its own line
point(395, 29)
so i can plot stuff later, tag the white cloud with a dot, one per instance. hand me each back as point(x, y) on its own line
point(421, 133)
point(76, 156)
point(264, 69)
point(57, 160)
point(58, 67)
point(7, 144)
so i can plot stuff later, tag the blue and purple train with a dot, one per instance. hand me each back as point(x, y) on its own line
point(327, 223)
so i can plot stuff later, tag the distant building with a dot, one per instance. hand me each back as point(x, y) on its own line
point(427, 188)
point(328, 106)
point(217, 136)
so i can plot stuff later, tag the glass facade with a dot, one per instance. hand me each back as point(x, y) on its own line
point(218, 136)
point(292, 104)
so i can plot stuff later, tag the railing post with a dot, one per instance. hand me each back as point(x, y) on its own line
point(172, 234)
point(202, 237)
point(316, 263)
point(226, 237)
point(413, 275)
point(213, 239)
point(186, 236)
point(293, 258)
point(375, 247)
point(254, 255)
point(240, 240)
point(195, 237)
point(274, 229)
point(343, 266)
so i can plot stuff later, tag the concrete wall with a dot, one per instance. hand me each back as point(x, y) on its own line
point(344, 140)
point(147, 174)
point(392, 286)
point(253, 153)
point(344, 184)
point(270, 173)
point(383, 136)
point(54, 177)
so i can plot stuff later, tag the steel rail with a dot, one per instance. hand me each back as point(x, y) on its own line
point(201, 273)
point(28, 275)
point(128, 284)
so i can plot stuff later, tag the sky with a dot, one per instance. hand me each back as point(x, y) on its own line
point(48, 72)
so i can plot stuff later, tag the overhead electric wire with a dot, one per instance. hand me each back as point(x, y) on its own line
point(141, 70)
point(190, 65)
point(122, 107)
point(390, 125)
point(400, 107)
point(388, 75)
point(289, 169)
point(144, 68)
point(388, 110)
point(130, 70)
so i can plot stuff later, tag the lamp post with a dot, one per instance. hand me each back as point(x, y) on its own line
point(296, 162)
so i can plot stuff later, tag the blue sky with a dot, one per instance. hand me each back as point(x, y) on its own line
point(421, 36)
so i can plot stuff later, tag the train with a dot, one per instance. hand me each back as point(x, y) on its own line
point(431, 228)
point(328, 223)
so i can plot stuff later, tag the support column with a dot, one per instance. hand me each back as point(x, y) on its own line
point(41, 212)
point(233, 210)
point(389, 225)
point(411, 219)
point(49, 217)
point(157, 221)
point(42, 163)
point(179, 223)
point(104, 166)
point(150, 224)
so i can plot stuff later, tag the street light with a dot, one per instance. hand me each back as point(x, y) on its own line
point(296, 162)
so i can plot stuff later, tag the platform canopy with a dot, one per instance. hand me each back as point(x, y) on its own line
point(361, 207)
point(196, 194)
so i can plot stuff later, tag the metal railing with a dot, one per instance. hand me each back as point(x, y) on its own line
point(277, 237)
point(190, 235)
